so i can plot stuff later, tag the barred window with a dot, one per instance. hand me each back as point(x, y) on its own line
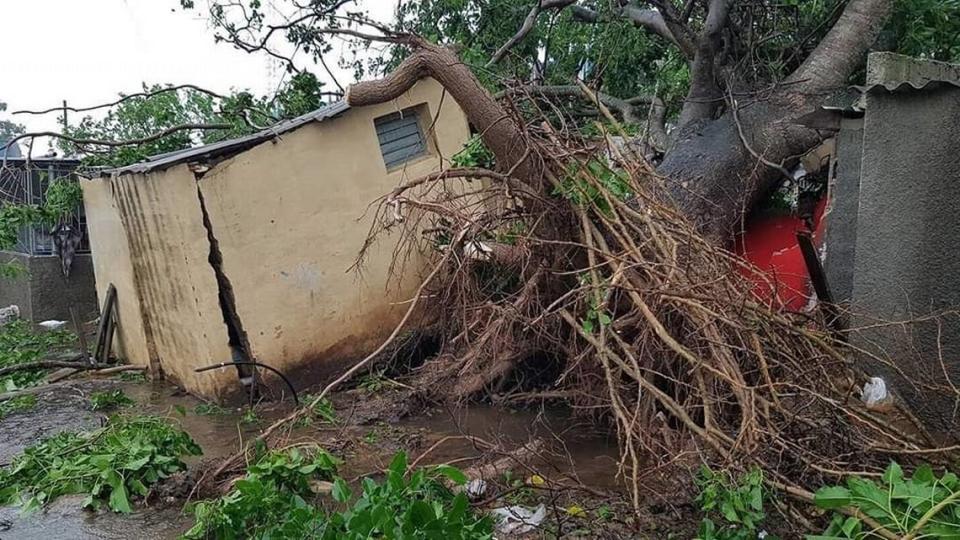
point(400, 137)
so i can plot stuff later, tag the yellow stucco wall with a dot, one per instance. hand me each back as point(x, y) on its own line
point(290, 216)
point(164, 269)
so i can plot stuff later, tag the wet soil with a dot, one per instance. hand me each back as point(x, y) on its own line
point(581, 466)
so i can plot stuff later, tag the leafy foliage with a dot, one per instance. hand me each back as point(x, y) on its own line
point(581, 185)
point(20, 344)
point(61, 200)
point(109, 399)
point(8, 129)
point(274, 500)
point(112, 465)
point(737, 506)
point(925, 505)
point(271, 498)
point(473, 154)
point(236, 114)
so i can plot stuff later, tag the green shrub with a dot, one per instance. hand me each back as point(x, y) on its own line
point(922, 506)
point(109, 399)
point(274, 500)
point(736, 505)
point(20, 344)
point(111, 465)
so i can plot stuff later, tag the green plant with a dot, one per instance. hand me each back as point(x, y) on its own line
point(21, 403)
point(133, 376)
point(20, 344)
point(591, 183)
point(473, 154)
point(921, 506)
point(736, 505)
point(249, 416)
point(109, 399)
point(323, 411)
point(274, 500)
point(417, 505)
point(111, 465)
point(210, 409)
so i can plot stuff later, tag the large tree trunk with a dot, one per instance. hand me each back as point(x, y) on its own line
point(718, 168)
point(715, 179)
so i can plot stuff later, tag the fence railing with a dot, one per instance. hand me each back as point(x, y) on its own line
point(26, 182)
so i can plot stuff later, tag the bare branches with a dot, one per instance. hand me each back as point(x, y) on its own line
point(628, 108)
point(80, 141)
point(528, 23)
point(136, 95)
point(650, 19)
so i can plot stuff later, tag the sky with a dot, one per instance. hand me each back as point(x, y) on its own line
point(89, 51)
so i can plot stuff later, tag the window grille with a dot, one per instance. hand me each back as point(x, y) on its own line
point(23, 182)
point(400, 137)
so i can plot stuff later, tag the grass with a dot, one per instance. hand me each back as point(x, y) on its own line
point(113, 466)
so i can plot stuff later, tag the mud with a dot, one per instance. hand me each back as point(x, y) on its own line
point(586, 455)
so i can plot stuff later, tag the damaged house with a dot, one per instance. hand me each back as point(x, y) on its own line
point(243, 249)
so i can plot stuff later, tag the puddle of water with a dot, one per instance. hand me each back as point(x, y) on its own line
point(587, 455)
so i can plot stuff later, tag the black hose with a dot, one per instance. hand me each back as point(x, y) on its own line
point(296, 399)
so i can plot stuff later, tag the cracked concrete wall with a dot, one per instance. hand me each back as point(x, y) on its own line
point(291, 217)
point(148, 239)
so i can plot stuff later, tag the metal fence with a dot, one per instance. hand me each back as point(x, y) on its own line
point(26, 182)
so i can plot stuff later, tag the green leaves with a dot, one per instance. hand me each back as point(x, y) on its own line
point(109, 399)
point(831, 497)
point(898, 503)
point(19, 344)
point(111, 465)
point(274, 501)
point(738, 502)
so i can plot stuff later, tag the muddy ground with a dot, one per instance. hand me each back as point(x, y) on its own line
point(581, 465)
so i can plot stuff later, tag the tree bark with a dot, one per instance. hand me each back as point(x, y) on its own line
point(498, 131)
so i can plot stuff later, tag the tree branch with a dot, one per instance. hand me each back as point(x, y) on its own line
point(115, 144)
point(128, 97)
point(528, 23)
point(844, 46)
point(627, 108)
point(501, 135)
point(705, 96)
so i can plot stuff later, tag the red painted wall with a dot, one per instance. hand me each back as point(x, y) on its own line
point(769, 243)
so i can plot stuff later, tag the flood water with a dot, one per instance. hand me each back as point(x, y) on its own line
point(586, 454)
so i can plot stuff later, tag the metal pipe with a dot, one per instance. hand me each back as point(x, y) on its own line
point(293, 391)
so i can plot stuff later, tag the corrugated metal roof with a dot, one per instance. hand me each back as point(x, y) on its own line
point(908, 86)
point(232, 146)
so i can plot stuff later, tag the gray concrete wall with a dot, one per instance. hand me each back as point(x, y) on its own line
point(52, 296)
point(842, 219)
point(906, 262)
point(16, 290)
point(43, 294)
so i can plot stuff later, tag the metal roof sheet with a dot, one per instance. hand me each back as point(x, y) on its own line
point(232, 146)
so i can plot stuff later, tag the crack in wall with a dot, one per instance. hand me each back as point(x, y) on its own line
point(238, 341)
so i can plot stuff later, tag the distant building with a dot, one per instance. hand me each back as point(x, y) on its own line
point(39, 287)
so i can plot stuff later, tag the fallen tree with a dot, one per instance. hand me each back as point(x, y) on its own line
point(575, 252)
